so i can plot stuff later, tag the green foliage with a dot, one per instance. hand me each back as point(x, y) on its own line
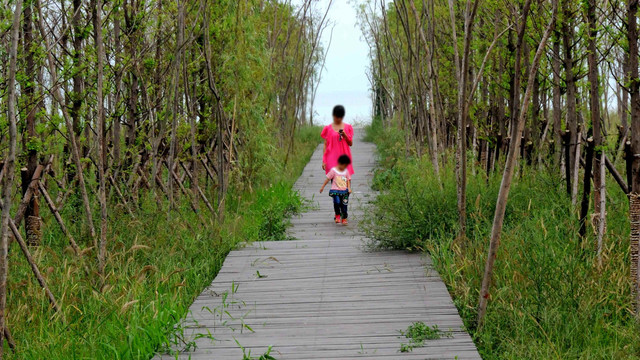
point(157, 264)
point(550, 298)
point(273, 213)
point(418, 333)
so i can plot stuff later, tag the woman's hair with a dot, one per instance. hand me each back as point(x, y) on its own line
point(338, 111)
point(344, 160)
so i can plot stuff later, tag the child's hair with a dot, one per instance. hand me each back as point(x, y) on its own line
point(338, 111)
point(344, 160)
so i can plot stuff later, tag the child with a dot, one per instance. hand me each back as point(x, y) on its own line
point(340, 188)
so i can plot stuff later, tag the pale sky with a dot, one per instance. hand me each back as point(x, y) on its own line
point(344, 79)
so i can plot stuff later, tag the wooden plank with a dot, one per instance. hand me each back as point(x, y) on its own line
point(323, 296)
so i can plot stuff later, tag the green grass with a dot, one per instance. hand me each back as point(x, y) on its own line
point(157, 264)
point(549, 299)
point(419, 332)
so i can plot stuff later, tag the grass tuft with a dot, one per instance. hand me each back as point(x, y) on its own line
point(418, 333)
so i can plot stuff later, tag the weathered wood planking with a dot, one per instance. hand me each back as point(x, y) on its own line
point(322, 296)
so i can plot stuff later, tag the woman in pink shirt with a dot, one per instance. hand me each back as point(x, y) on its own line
point(338, 138)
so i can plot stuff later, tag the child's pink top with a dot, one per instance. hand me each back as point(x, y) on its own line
point(336, 147)
point(339, 178)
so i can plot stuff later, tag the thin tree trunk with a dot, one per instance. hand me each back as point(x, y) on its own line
point(616, 175)
point(586, 192)
point(462, 76)
point(9, 169)
point(176, 86)
point(78, 82)
point(433, 131)
point(576, 166)
point(32, 216)
point(69, 125)
point(602, 214)
point(34, 267)
point(509, 170)
point(570, 83)
point(102, 192)
point(594, 98)
point(624, 105)
point(118, 90)
point(58, 218)
point(633, 80)
point(557, 109)
point(218, 113)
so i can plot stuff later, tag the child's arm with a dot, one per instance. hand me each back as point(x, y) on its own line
point(324, 184)
point(349, 185)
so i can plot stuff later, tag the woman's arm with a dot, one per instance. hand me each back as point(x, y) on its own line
point(348, 132)
point(346, 137)
point(324, 151)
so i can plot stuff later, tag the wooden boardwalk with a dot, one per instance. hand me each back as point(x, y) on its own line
point(322, 296)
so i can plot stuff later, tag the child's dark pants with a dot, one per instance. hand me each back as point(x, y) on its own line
point(340, 203)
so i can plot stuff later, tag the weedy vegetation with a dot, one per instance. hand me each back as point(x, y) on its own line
point(552, 299)
point(418, 333)
point(157, 266)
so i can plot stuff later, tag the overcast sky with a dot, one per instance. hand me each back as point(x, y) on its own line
point(344, 79)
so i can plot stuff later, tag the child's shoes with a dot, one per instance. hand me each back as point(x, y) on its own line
point(337, 219)
point(345, 222)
